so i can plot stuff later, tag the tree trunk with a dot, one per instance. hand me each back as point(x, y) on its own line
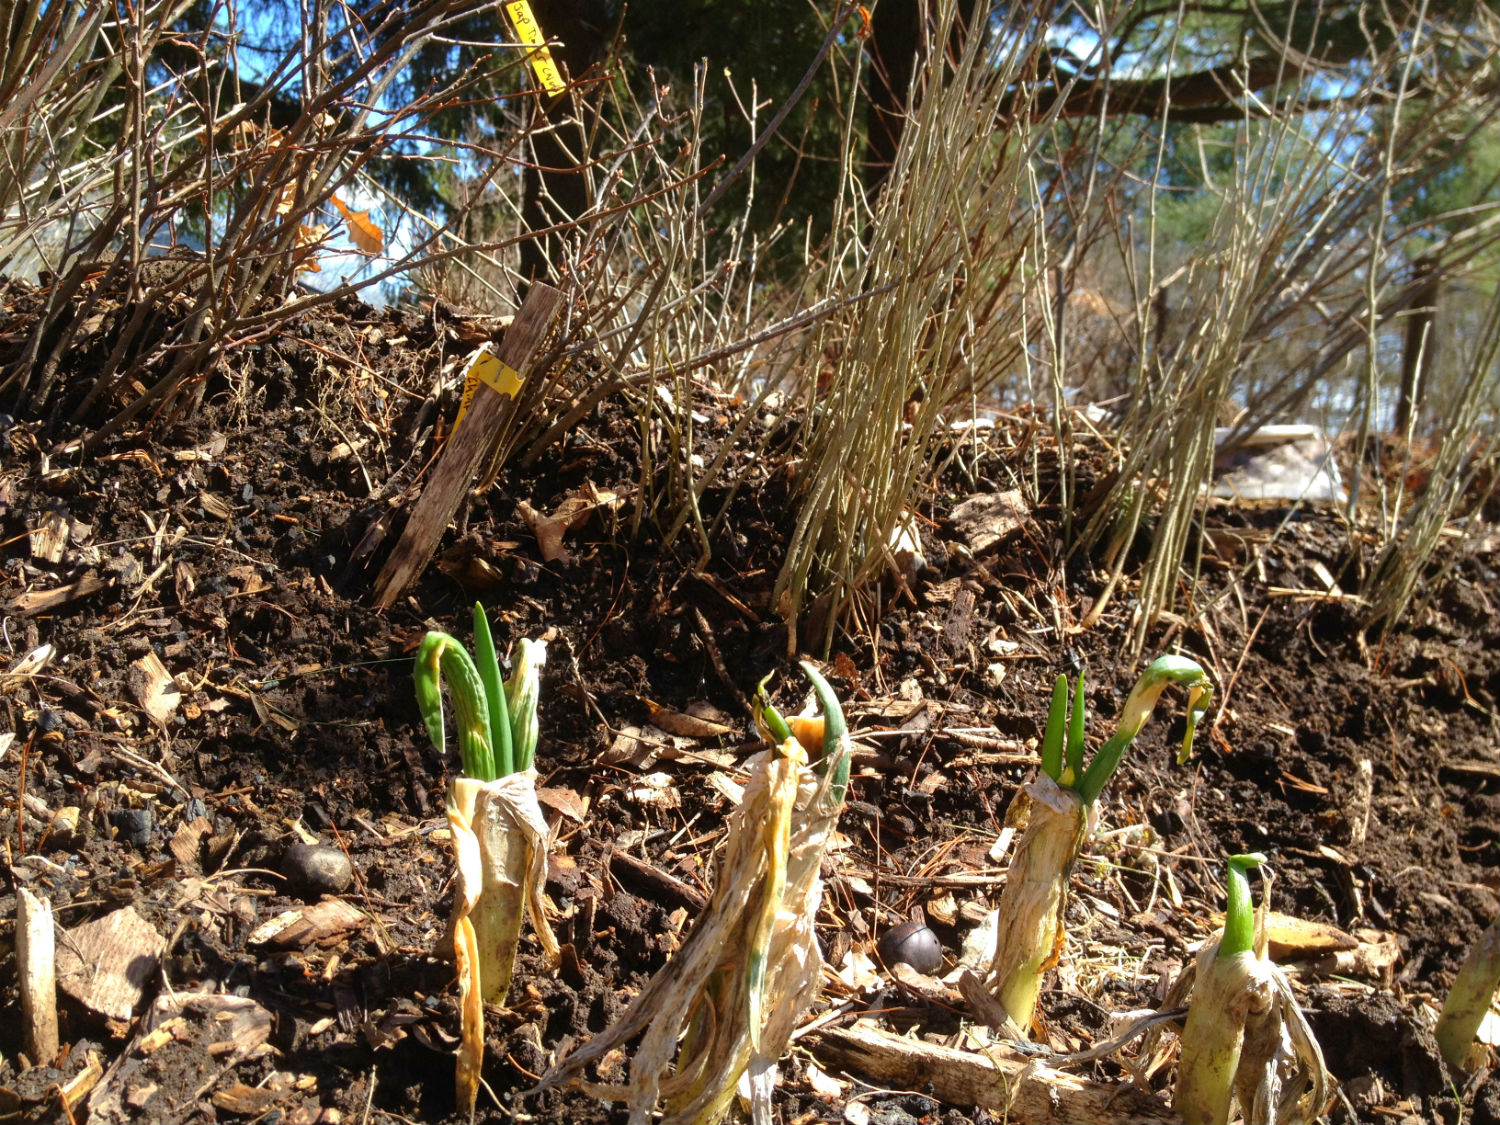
point(554, 188)
point(899, 34)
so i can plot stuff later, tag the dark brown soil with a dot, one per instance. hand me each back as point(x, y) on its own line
point(239, 550)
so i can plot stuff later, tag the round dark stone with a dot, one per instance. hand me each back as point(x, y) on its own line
point(313, 870)
point(913, 943)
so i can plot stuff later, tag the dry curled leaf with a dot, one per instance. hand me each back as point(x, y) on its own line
point(365, 235)
point(564, 801)
point(568, 516)
point(688, 726)
point(286, 198)
point(310, 237)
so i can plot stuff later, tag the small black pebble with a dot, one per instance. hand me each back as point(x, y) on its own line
point(913, 943)
point(134, 825)
point(316, 869)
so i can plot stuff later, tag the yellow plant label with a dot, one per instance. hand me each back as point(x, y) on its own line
point(485, 367)
point(529, 32)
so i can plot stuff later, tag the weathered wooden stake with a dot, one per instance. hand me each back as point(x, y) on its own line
point(468, 446)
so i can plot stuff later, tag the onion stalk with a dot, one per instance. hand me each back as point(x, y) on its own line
point(725, 1005)
point(499, 833)
point(1246, 1039)
point(1469, 999)
point(1058, 806)
point(1230, 982)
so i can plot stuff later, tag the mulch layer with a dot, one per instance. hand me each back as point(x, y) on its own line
point(195, 683)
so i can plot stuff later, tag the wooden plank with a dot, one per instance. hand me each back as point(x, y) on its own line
point(469, 445)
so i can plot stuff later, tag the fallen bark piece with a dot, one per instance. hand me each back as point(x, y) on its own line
point(35, 949)
point(203, 1033)
point(105, 964)
point(324, 921)
point(38, 601)
point(1025, 1092)
point(988, 519)
point(244, 1101)
point(153, 687)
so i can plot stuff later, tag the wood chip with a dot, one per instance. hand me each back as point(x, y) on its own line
point(39, 601)
point(155, 1040)
point(246, 1101)
point(153, 687)
point(186, 840)
point(32, 663)
point(923, 987)
point(83, 1083)
point(987, 520)
point(214, 506)
point(49, 539)
point(324, 921)
point(36, 946)
point(105, 964)
point(960, 622)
